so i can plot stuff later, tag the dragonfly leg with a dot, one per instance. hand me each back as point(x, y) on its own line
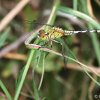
point(63, 51)
point(51, 44)
point(46, 44)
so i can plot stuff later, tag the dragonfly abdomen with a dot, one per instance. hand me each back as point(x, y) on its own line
point(55, 32)
point(72, 32)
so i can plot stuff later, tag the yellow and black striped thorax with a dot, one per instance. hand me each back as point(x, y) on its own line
point(52, 33)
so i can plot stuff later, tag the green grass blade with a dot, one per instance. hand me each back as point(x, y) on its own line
point(53, 13)
point(92, 23)
point(36, 94)
point(5, 90)
point(24, 73)
point(19, 87)
point(75, 4)
point(43, 60)
point(19, 78)
point(4, 36)
point(80, 15)
point(95, 41)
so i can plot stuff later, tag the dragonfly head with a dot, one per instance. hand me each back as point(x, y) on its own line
point(42, 34)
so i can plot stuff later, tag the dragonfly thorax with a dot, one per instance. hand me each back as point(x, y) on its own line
point(52, 33)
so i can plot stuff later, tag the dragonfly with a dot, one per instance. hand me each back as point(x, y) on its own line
point(52, 33)
point(56, 32)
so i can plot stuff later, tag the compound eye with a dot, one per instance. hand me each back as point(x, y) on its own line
point(41, 32)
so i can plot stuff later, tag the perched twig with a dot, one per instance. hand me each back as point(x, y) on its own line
point(90, 69)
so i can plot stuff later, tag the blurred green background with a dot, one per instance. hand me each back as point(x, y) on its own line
point(59, 82)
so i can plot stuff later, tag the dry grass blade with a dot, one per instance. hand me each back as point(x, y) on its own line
point(7, 19)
